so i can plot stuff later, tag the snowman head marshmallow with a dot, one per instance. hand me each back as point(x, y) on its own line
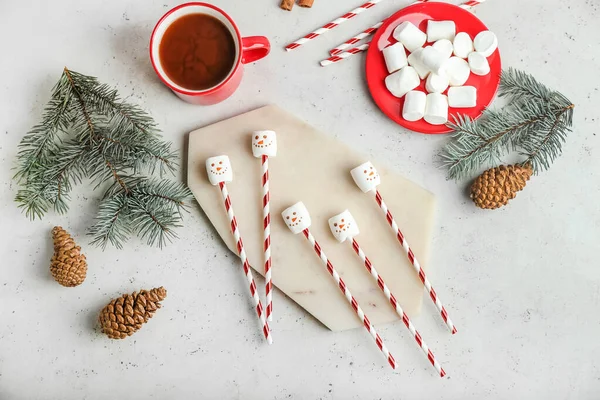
point(366, 177)
point(296, 217)
point(264, 143)
point(343, 226)
point(219, 170)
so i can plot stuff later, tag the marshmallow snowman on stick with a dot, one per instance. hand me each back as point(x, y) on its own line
point(297, 219)
point(367, 179)
point(220, 172)
point(344, 228)
point(264, 145)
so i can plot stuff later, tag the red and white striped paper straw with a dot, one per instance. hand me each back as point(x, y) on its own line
point(414, 262)
point(240, 248)
point(332, 25)
point(368, 32)
point(355, 306)
point(267, 236)
point(355, 39)
point(342, 56)
point(392, 299)
point(471, 3)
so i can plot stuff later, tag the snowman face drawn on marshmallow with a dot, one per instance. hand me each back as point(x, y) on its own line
point(219, 170)
point(296, 217)
point(366, 177)
point(343, 226)
point(264, 143)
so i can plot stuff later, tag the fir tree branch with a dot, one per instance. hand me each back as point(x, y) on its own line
point(542, 151)
point(116, 176)
point(151, 209)
point(83, 108)
point(39, 142)
point(107, 140)
point(140, 154)
point(64, 173)
point(53, 183)
point(536, 124)
point(102, 167)
point(151, 152)
point(167, 192)
point(112, 223)
point(153, 224)
point(107, 102)
point(129, 126)
point(521, 86)
point(468, 153)
point(115, 189)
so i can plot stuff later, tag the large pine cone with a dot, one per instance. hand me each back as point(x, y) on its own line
point(68, 266)
point(125, 315)
point(497, 186)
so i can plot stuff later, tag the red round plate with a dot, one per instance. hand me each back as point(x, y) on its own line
point(419, 14)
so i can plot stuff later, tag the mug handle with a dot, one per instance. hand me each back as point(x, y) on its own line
point(254, 48)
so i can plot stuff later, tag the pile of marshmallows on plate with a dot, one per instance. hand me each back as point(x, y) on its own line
point(442, 64)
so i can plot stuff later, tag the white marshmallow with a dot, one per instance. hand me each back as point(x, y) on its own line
point(432, 59)
point(486, 43)
point(457, 70)
point(410, 36)
point(414, 60)
point(264, 143)
point(437, 30)
point(463, 45)
point(436, 109)
point(479, 64)
point(445, 47)
point(401, 82)
point(462, 97)
point(414, 106)
point(296, 217)
point(436, 83)
point(343, 226)
point(366, 177)
point(219, 170)
point(395, 57)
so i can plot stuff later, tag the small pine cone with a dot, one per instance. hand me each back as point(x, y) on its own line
point(125, 315)
point(497, 186)
point(68, 266)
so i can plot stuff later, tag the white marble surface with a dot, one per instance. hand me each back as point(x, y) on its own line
point(523, 283)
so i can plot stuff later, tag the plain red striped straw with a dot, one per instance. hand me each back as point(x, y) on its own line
point(392, 299)
point(240, 248)
point(414, 262)
point(267, 236)
point(332, 25)
point(355, 306)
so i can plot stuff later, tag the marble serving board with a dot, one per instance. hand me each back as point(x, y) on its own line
point(314, 168)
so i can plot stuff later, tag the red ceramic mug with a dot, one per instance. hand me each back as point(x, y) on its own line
point(248, 49)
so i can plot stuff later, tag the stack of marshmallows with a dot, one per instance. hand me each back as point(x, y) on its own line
point(448, 61)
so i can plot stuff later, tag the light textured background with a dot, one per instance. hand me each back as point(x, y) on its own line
point(522, 283)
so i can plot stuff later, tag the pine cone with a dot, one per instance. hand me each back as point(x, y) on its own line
point(497, 186)
point(68, 266)
point(125, 315)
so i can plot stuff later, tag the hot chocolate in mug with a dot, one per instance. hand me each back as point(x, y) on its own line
point(198, 52)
